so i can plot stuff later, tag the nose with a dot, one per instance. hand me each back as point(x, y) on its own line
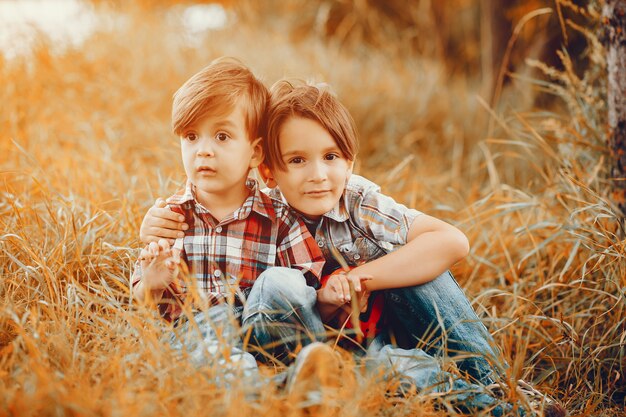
point(205, 148)
point(318, 172)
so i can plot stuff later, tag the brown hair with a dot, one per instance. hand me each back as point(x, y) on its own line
point(296, 98)
point(215, 90)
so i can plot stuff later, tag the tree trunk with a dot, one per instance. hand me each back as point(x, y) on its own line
point(614, 12)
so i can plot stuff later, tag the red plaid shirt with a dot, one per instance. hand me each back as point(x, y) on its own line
point(225, 256)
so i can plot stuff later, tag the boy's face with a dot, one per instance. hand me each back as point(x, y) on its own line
point(217, 155)
point(316, 170)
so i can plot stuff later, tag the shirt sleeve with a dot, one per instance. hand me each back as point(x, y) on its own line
point(381, 217)
point(297, 249)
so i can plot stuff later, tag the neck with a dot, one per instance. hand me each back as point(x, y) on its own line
point(222, 204)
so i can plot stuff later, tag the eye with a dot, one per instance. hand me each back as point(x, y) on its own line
point(190, 137)
point(296, 160)
point(331, 156)
point(222, 137)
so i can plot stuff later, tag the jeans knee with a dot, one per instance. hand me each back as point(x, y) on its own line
point(282, 287)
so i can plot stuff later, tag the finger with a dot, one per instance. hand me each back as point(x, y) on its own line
point(166, 224)
point(160, 215)
point(155, 233)
point(147, 238)
point(155, 238)
point(145, 258)
point(153, 248)
point(164, 245)
point(172, 220)
point(144, 255)
point(174, 260)
point(345, 289)
point(160, 203)
point(176, 255)
point(356, 282)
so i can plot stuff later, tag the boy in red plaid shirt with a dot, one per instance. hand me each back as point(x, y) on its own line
point(236, 234)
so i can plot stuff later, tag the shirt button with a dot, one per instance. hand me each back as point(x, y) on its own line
point(217, 273)
point(218, 229)
point(320, 243)
point(357, 257)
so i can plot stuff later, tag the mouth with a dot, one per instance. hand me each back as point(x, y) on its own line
point(204, 170)
point(317, 193)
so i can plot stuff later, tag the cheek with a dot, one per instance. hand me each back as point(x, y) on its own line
point(285, 181)
point(340, 174)
point(289, 190)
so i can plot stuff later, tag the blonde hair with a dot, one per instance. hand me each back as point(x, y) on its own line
point(215, 90)
point(296, 98)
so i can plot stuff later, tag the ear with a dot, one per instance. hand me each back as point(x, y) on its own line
point(266, 174)
point(257, 153)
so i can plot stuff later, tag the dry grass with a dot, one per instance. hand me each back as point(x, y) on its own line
point(86, 146)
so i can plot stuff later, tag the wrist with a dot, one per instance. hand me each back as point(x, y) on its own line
point(321, 296)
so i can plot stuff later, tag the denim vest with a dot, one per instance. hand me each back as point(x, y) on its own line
point(363, 226)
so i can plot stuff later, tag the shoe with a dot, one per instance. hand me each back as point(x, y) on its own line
point(316, 377)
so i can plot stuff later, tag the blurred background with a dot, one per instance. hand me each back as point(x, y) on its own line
point(439, 69)
point(488, 114)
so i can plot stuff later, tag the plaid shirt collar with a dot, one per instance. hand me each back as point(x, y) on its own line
point(256, 201)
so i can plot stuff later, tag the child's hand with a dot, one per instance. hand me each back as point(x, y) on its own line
point(337, 288)
point(158, 265)
point(162, 223)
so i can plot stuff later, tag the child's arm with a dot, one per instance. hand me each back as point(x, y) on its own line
point(162, 223)
point(157, 268)
point(432, 247)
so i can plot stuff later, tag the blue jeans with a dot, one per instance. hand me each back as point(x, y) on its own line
point(424, 372)
point(438, 318)
point(212, 337)
point(280, 314)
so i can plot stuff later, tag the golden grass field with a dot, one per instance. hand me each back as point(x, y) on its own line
point(85, 148)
